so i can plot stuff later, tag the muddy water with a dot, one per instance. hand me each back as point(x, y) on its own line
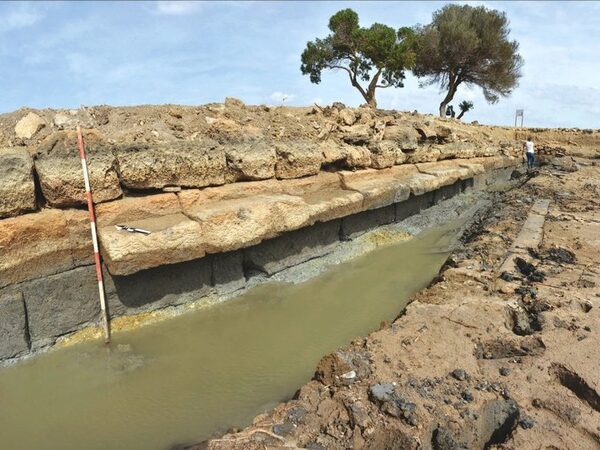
point(186, 378)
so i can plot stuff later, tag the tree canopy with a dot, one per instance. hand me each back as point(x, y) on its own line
point(378, 55)
point(468, 45)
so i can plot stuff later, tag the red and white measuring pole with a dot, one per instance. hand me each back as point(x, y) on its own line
point(90, 204)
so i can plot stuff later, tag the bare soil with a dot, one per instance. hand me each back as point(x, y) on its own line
point(480, 359)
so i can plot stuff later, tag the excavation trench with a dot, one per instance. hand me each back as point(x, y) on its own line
point(185, 379)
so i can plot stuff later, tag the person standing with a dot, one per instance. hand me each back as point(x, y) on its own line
point(530, 152)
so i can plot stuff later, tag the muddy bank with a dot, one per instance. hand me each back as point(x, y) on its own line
point(491, 355)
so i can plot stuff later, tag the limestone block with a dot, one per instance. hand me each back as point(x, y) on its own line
point(347, 116)
point(384, 154)
point(447, 172)
point(425, 153)
point(418, 182)
point(29, 125)
point(445, 134)
point(357, 134)
point(293, 248)
point(358, 157)
point(252, 161)
point(174, 238)
point(187, 164)
point(236, 223)
point(17, 190)
point(121, 212)
point(13, 325)
point(58, 165)
point(325, 198)
point(61, 303)
point(33, 246)
point(297, 159)
point(378, 187)
point(403, 136)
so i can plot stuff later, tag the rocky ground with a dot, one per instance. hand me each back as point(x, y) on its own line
point(485, 357)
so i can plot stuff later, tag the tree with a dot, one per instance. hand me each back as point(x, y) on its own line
point(464, 106)
point(377, 55)
point(468, 45)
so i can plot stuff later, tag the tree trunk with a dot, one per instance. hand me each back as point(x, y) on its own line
point(462, 113)
point(452, 85)
point(370, 98)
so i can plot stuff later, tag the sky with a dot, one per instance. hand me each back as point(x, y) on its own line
point(67, 54)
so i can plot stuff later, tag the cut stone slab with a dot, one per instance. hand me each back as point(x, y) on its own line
point(61, 303)
point(236, 223)
point(29, 125)
point(186, 164)
point(378, 187)
point(174, 238)
point(448, 172)
point(121, 212)
point(297, 159)
point(13, 325)
point(58, 166)
point(293, 248)
point(17, 189)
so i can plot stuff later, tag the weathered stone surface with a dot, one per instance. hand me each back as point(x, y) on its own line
point(358, 157)
point(414, 205)
point(418, 182)
point(174, 238)
point(425, 132)
point(379, 188)
point(13, 325)
point(34, 245)
point(253, 161)
point(425, 153)
point(291, 249)
point(447, 172)
point(61, 303)
point(445, 134)
point(188, 164)
point(121, 212)
point(168, 285)
point(59, 169)
point(347, 116)
point(357, 134)
point(228, 271)
point(236, 223)
point(384, 154)
point(357, 224)
point(297, 159)
point(17, 190)
point(29, 125)
point(404, 137)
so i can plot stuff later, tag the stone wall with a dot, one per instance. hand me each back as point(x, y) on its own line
point(228, 192)
point(49, 286)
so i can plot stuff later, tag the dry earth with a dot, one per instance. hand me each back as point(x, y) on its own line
point(483, 358)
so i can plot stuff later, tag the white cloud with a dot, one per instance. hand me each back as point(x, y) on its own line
point(178, 8)
point(280, 97)
point(23, 15)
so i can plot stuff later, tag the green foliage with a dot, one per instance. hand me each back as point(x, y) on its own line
point(470, 45)
point(464, 106)
point(378, 55)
